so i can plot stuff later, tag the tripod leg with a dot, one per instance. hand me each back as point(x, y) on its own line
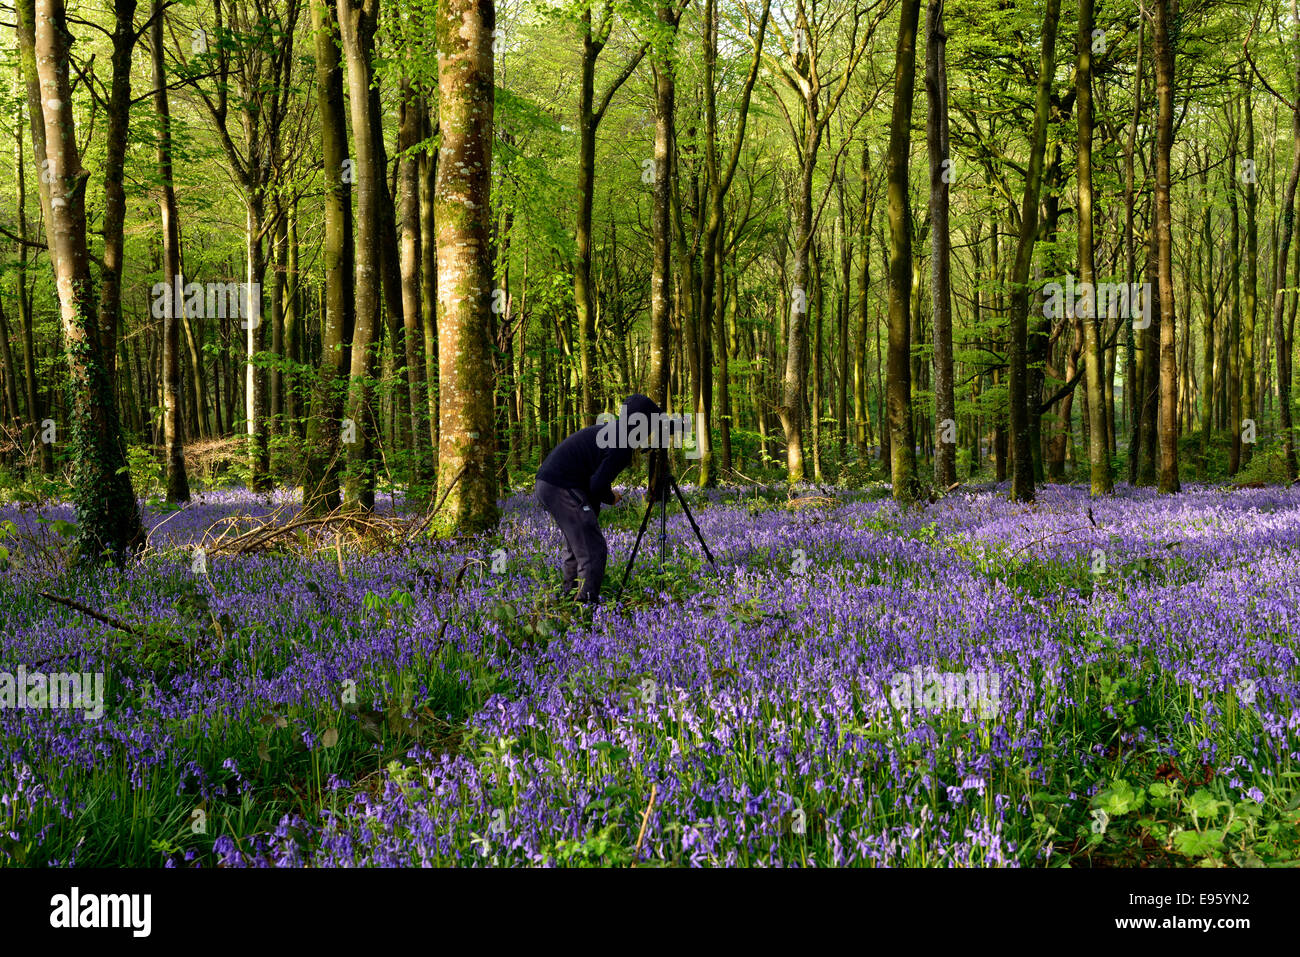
point(663, 529)
point(694, 527)
point(631, 559)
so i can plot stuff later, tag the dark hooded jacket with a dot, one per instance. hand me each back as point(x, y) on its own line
point(579, 462)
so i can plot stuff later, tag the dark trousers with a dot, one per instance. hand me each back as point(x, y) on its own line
point(584, 545)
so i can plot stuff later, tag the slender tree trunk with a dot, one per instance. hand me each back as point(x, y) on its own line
point(429, 283)
point(119, 107)
point(279, 265)
point(842, 308)
point(794, 385)
point(718, 182)
point(1133, 377)
point(657, 373)
point(1022, 475)
point(945, 405)
point(1250, 290)
point(255, 397)
point(583, 300)
point(819, 300)
point(902, 441)
point(861, 408)
point(178, 485)
point(725, 304)
point(320, 482)
point(412, 317)
point(35, 403)
point(1164, 65)
point(13, 411)
point(1150, 365)
point(358, 20)
point(1098, 450)
point(1281, 339)
point(1234, 322)
point(292, 325)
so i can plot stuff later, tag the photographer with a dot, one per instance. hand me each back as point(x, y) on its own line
point(575, 480)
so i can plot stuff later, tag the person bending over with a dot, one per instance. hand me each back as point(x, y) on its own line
point(574, 481)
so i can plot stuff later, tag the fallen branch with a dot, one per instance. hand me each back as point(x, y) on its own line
point(645, 818)
point(91, 613)
point(801, 500)
point(264, 534)
point(1046, 538)
point(428, 519)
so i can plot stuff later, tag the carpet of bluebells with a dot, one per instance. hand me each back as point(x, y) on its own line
point(342, 702)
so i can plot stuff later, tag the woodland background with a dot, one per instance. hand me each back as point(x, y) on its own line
point(824, 227)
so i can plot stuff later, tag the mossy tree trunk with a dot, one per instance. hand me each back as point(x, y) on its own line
point(467, 421)
point(106, 508)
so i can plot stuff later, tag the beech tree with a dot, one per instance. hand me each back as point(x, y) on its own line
point(1102, 482)
point(466, 457)
point(902, 442)
point(107, 515)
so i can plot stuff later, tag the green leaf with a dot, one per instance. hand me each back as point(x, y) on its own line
point(1119, 799)
point(1203, 804)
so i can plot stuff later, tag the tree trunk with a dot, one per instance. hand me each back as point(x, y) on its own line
point(412, 317)
point(583, 301)
point(1164, 66)
point(1281, 339)
point(178, 485)
point(467, 457)
point(1250, 290)
point(1149, 371)
point(657, 372)
point(119, 106)
point(1099, 472)
point(1234, 322)
point(105, 504)
point(292, 336)
point(320, 482)
point(358, 20)
point(255, 397)
point(1133, 378)
point(35, 400)
point(1022, 474)
point(945, 405)
point(902, 442)
point(861, 407)
point(13, 411)
point(429, 282)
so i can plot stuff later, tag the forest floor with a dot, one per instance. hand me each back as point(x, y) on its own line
point(971, 682)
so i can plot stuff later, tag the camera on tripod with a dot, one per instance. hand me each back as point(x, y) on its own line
point(661, 483)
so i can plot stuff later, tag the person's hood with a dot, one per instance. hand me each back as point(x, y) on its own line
point(639, 404)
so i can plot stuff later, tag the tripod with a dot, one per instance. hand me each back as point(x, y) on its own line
point(658, 495)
